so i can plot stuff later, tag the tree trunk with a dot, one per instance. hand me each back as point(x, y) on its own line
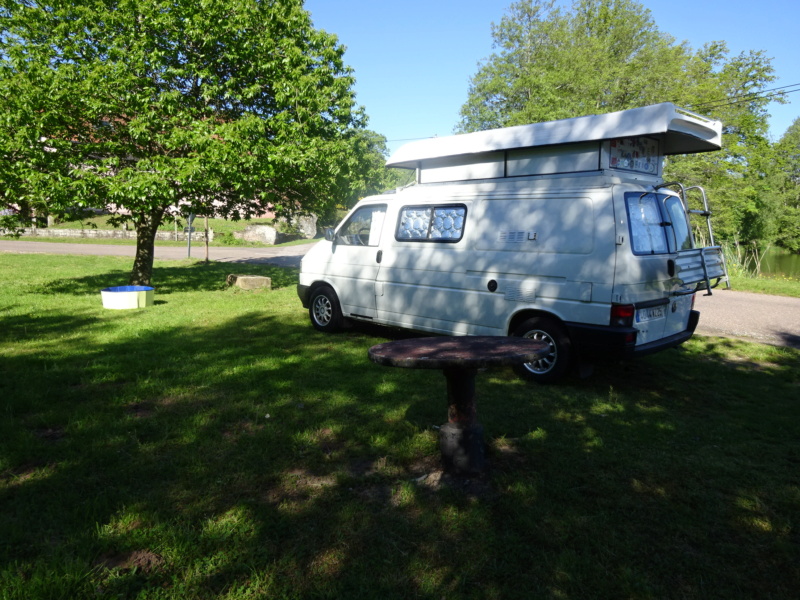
point(146, 229)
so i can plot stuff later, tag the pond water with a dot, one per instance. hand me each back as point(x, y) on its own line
point(781, 263)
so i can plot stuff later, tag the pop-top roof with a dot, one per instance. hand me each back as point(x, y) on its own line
point(681, 132)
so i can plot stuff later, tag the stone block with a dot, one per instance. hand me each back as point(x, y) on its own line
point(265, 234)
point(306, 225)
point(250, 282)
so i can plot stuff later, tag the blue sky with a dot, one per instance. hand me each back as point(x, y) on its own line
point(413, 59)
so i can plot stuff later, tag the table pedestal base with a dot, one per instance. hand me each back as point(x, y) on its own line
point(461, 438)
point(462, 449)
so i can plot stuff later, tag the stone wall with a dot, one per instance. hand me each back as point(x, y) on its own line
point(305, 228)
point(119, 234)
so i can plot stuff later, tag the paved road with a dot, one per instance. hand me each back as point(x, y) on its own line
point(756, 317)
point(284, 256)
point(726, 313)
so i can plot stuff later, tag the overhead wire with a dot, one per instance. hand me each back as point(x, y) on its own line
point(750, 94)
point(742, 98)
point(730, 101)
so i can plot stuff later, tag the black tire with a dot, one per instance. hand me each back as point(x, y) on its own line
point(555, 365)
point(325, 311)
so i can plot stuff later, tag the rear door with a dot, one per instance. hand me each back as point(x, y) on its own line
point(680, 242)
point(659, 231)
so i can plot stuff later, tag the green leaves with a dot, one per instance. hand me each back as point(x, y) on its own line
point(600, 57)
point(214, 107)
point(787, 187)
point(606, 55)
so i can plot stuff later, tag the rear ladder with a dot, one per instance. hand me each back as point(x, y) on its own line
point(711, 258)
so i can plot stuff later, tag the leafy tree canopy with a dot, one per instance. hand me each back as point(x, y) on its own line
point(143, 107)
point(607, 55)
point(376, 177)
point(789, 148)
point(787, 152)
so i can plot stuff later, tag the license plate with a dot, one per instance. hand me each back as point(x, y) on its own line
point(649, 314)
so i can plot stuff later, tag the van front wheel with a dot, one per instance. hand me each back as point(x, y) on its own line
point(555, 364)
point(324, 310)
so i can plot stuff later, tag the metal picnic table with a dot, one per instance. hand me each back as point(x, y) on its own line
point(459, 358)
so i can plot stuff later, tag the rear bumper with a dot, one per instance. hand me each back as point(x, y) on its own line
point(620, 342)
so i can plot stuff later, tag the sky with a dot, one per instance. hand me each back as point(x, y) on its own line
point(413, 59)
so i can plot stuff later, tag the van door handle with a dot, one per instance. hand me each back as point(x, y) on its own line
point(379, 257)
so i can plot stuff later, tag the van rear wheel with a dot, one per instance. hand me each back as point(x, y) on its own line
point(555, 364)
point(325, 311)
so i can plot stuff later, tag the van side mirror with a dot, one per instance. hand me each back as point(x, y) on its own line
point(329, 233)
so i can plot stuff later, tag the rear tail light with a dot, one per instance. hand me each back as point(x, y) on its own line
point(622, 315)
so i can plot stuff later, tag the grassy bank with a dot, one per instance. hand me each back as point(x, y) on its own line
point(776, 286)
point(215, 446)
point(222, 226)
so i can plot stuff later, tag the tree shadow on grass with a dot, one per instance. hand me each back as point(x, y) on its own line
point(260, 455)
point(791, 339)
point(277, 426)
point(194, 276)
point(44, 325)
point(669, 476)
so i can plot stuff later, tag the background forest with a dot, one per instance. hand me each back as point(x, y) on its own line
point(607, 55)
point(243, 106)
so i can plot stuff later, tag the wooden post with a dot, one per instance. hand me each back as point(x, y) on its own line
point(206, 217)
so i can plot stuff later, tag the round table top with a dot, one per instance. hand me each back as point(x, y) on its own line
point(466, 352)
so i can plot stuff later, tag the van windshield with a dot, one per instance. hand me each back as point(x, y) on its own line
point(658, 223)
point(363, 228)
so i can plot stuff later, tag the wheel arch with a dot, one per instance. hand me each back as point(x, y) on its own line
point(550, 329)
point(320, 283)
point(523, 315)
point(326, 316)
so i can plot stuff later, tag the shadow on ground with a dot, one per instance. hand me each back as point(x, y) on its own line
point(259, 456)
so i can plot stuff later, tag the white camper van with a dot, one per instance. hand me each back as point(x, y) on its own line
point(562, 231)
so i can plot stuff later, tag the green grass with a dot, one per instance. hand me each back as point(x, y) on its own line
point(776, 286)
point(215, 446)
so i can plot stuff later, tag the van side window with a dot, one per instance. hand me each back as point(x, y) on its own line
point(443, 223)
point(363, 228)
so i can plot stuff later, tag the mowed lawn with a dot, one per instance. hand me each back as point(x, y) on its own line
point(215, 446)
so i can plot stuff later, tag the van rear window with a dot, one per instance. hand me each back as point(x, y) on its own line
point(443, 223)
point(658, 223)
